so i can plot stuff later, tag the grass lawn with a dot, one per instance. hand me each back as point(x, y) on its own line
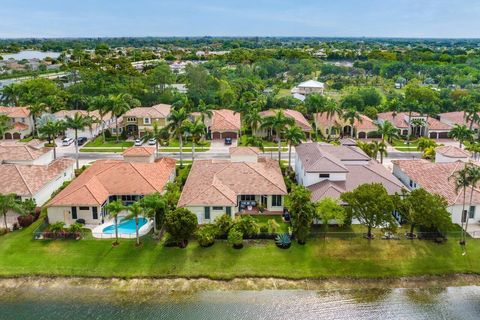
point(263, 221)
point(175, 143)
point(100, 144)
point(27, 139)
point(401, 145)
point(102, 150)
point(20, 255)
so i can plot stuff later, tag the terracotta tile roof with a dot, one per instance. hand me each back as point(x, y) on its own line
point(219, 182)
point(452, 152)
point(456, 117)
point(26, 180)
point(225, 120)
point(300, 120)
point(139, 151)
point(400, 120)
point(435, 177)
point(115, 177)
point(322, 120)
point(373, 172)
point(158, 111)
point(244, 151)
point(19, 152)
point(15, 112)
point(62, 114)
point(18, 126)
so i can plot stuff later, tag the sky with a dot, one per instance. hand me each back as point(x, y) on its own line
point(322, 18)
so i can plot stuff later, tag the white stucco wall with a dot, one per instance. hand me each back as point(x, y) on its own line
point(64, 214)
point(199, 211)
point(440, 158)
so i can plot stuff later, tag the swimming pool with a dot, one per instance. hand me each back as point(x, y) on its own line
point(125, 226)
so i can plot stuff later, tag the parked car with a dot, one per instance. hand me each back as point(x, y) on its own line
point(138, 142)
point(228, 141)
point(81, 140)
point(67, 141)
point(152, 142)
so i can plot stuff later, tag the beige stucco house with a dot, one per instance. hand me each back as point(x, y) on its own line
point(138, 121)
point(21, 122)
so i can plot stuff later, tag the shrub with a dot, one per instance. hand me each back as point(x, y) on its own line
point(3, 231)
point(124, 135)
point(264, 229)
point(108, 134)
point(182, 175)
point(25, 220)
point(235, 238)
point(223, 223)
point(76, 227)
point(57, 227)
point(181, 224)
point(206, 235)
point(283, 241)
point(272, 226)
point(247, 225)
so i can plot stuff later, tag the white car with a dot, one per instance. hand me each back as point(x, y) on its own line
point(67, 142)
point(138, 142)
point(152, 142)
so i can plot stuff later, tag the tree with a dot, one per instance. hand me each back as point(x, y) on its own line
point(473, 177)
point(316, 103)
point(36, 110)
point(387, 130)
point(9, 202)
point(135, 211)
point(5, 125)
point(114, 208)
point(294, 136)
point(176, 126)
point(160, 135)
point(77, 122)
point(331, 109)
point(159, 76)
point(155, 207)
point(302, 211)
point(51, 129)
point(181, 224)
point(350, 116)
point(462, 182)
point(328, 209)
point(461, 133)
point(119, 104)
point(101, 104)
point(371, 205)
point(381, 148)
point(205, 110)
point(254, 141)
point(279, 123)
point(253, 119)
point(196, 130)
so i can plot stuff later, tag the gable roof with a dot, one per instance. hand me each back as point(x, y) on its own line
point(452, 152)
point(115, 177)
point(157, 111)
point(322, 120)
point(311, 84)
point(15, 112)
point(300, 120)
point(244, 151)
point(139, 151)
point(456, 117)
point(21, 151)
point(219, 182)
point(400, 120)
point(225, 120)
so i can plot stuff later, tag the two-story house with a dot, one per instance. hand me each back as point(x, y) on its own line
point(138, 121)
point(99, 124)
point(303, 89)
point(416, 124)
point(21, 123)
point(245, 184)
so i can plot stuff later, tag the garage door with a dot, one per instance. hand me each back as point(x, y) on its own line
point(232, 135)
point(216, 135)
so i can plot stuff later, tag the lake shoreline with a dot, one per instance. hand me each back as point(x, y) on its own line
point(191, 285)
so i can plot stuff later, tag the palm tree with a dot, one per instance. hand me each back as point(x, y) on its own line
point(387, 130)
point(135, 211)
point(461, 183)
point(332, 109)
point(254, 141)
point(278, 122)
point(36, 111)
point(471, 111)
point(78, 122)
point(5, 125)
point(51, 129)
point(205, 110)
point(425, 143)
point(461, 133)
point(183, 102)
point(176, 126)
point(382, 150)
point(196, 130)
point(253, 119)
point(11, 95)
point(294, 135)
point(9, 202)
point(473, 176)
point(100, 104)
point(155, 206)
point(160, 135)
point(242, 108)
point(418, 124)
point(350, 116)
point(119, 104)
point(114, 208)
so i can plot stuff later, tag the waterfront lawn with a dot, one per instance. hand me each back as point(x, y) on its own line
point(20, 255)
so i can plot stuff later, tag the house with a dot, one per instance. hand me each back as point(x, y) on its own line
point(330, 170)
point(246, 184)
point(451, 154)
point(96, 129)
point(307, 87)
point(31, 153)
point(300, 121)
point(436, 178)
point(138, 121)
point(224, 123)
point(362, 129)
point(108, 180)
point(418, 124)
point(21, 122)
point(458, 117)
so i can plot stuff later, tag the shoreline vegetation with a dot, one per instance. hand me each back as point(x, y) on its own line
point(192, 285)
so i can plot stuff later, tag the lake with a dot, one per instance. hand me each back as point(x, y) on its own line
point(87, 303)
point(30, 54)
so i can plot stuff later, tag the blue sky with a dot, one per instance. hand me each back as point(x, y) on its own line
point(369, 18)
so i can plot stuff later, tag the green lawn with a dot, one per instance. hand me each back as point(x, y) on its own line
point(102, 150)
point(20, 255)
point(175, 143)
point(401, 145)
point(27, 139)
point(99, 143)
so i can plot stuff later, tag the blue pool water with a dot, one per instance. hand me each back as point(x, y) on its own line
point(126, 226)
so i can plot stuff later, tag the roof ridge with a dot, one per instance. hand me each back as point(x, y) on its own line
point(224, 118)
point(254, 169)
point(148, 181)
point(389, 178)
point(24, 180)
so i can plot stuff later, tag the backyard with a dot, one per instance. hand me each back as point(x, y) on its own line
point(20, 255)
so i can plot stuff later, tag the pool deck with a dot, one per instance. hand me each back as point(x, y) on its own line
point(97, 231)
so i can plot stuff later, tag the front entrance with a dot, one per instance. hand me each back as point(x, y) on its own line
point(347, 131)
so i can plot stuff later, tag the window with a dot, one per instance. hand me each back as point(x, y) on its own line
point(247, 197)
point(95, 213)
point(131, 119)
point(471, 212)
point(23, 120)
point(218, 208)
point(276, 201)
point(207, 213)
point(229, 211)
point(84, 208)
point(324, 175)
point(146, 120)
point(74, 213)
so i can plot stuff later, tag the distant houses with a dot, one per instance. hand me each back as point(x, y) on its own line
point(416, 124)
point(303, 89)
point(361, 129)
point(88, 132)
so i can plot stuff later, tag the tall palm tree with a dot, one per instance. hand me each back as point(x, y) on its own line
point(387, 130)
point(473, 176)
point(382, 150)
point(155, 206)
point(101, 105)
point(418, 124)
point(472, 113)
point(254, 141)
point(350, 115)
point(9, 202)
point(253, 119)
point(114, 208)
point(119, 104)
point(294, 136)
point(5, 125)
point(135, 211)
point(11, 95)
point(160, 135)
point(461, 133)
point(196, 130)
point(176, 126)
point(51, 129)
point(331, 110)
point(278, 122)
point(462, 182)
point(205, 110)
point(36, 111)
point(77, 122)
point(242, 108)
